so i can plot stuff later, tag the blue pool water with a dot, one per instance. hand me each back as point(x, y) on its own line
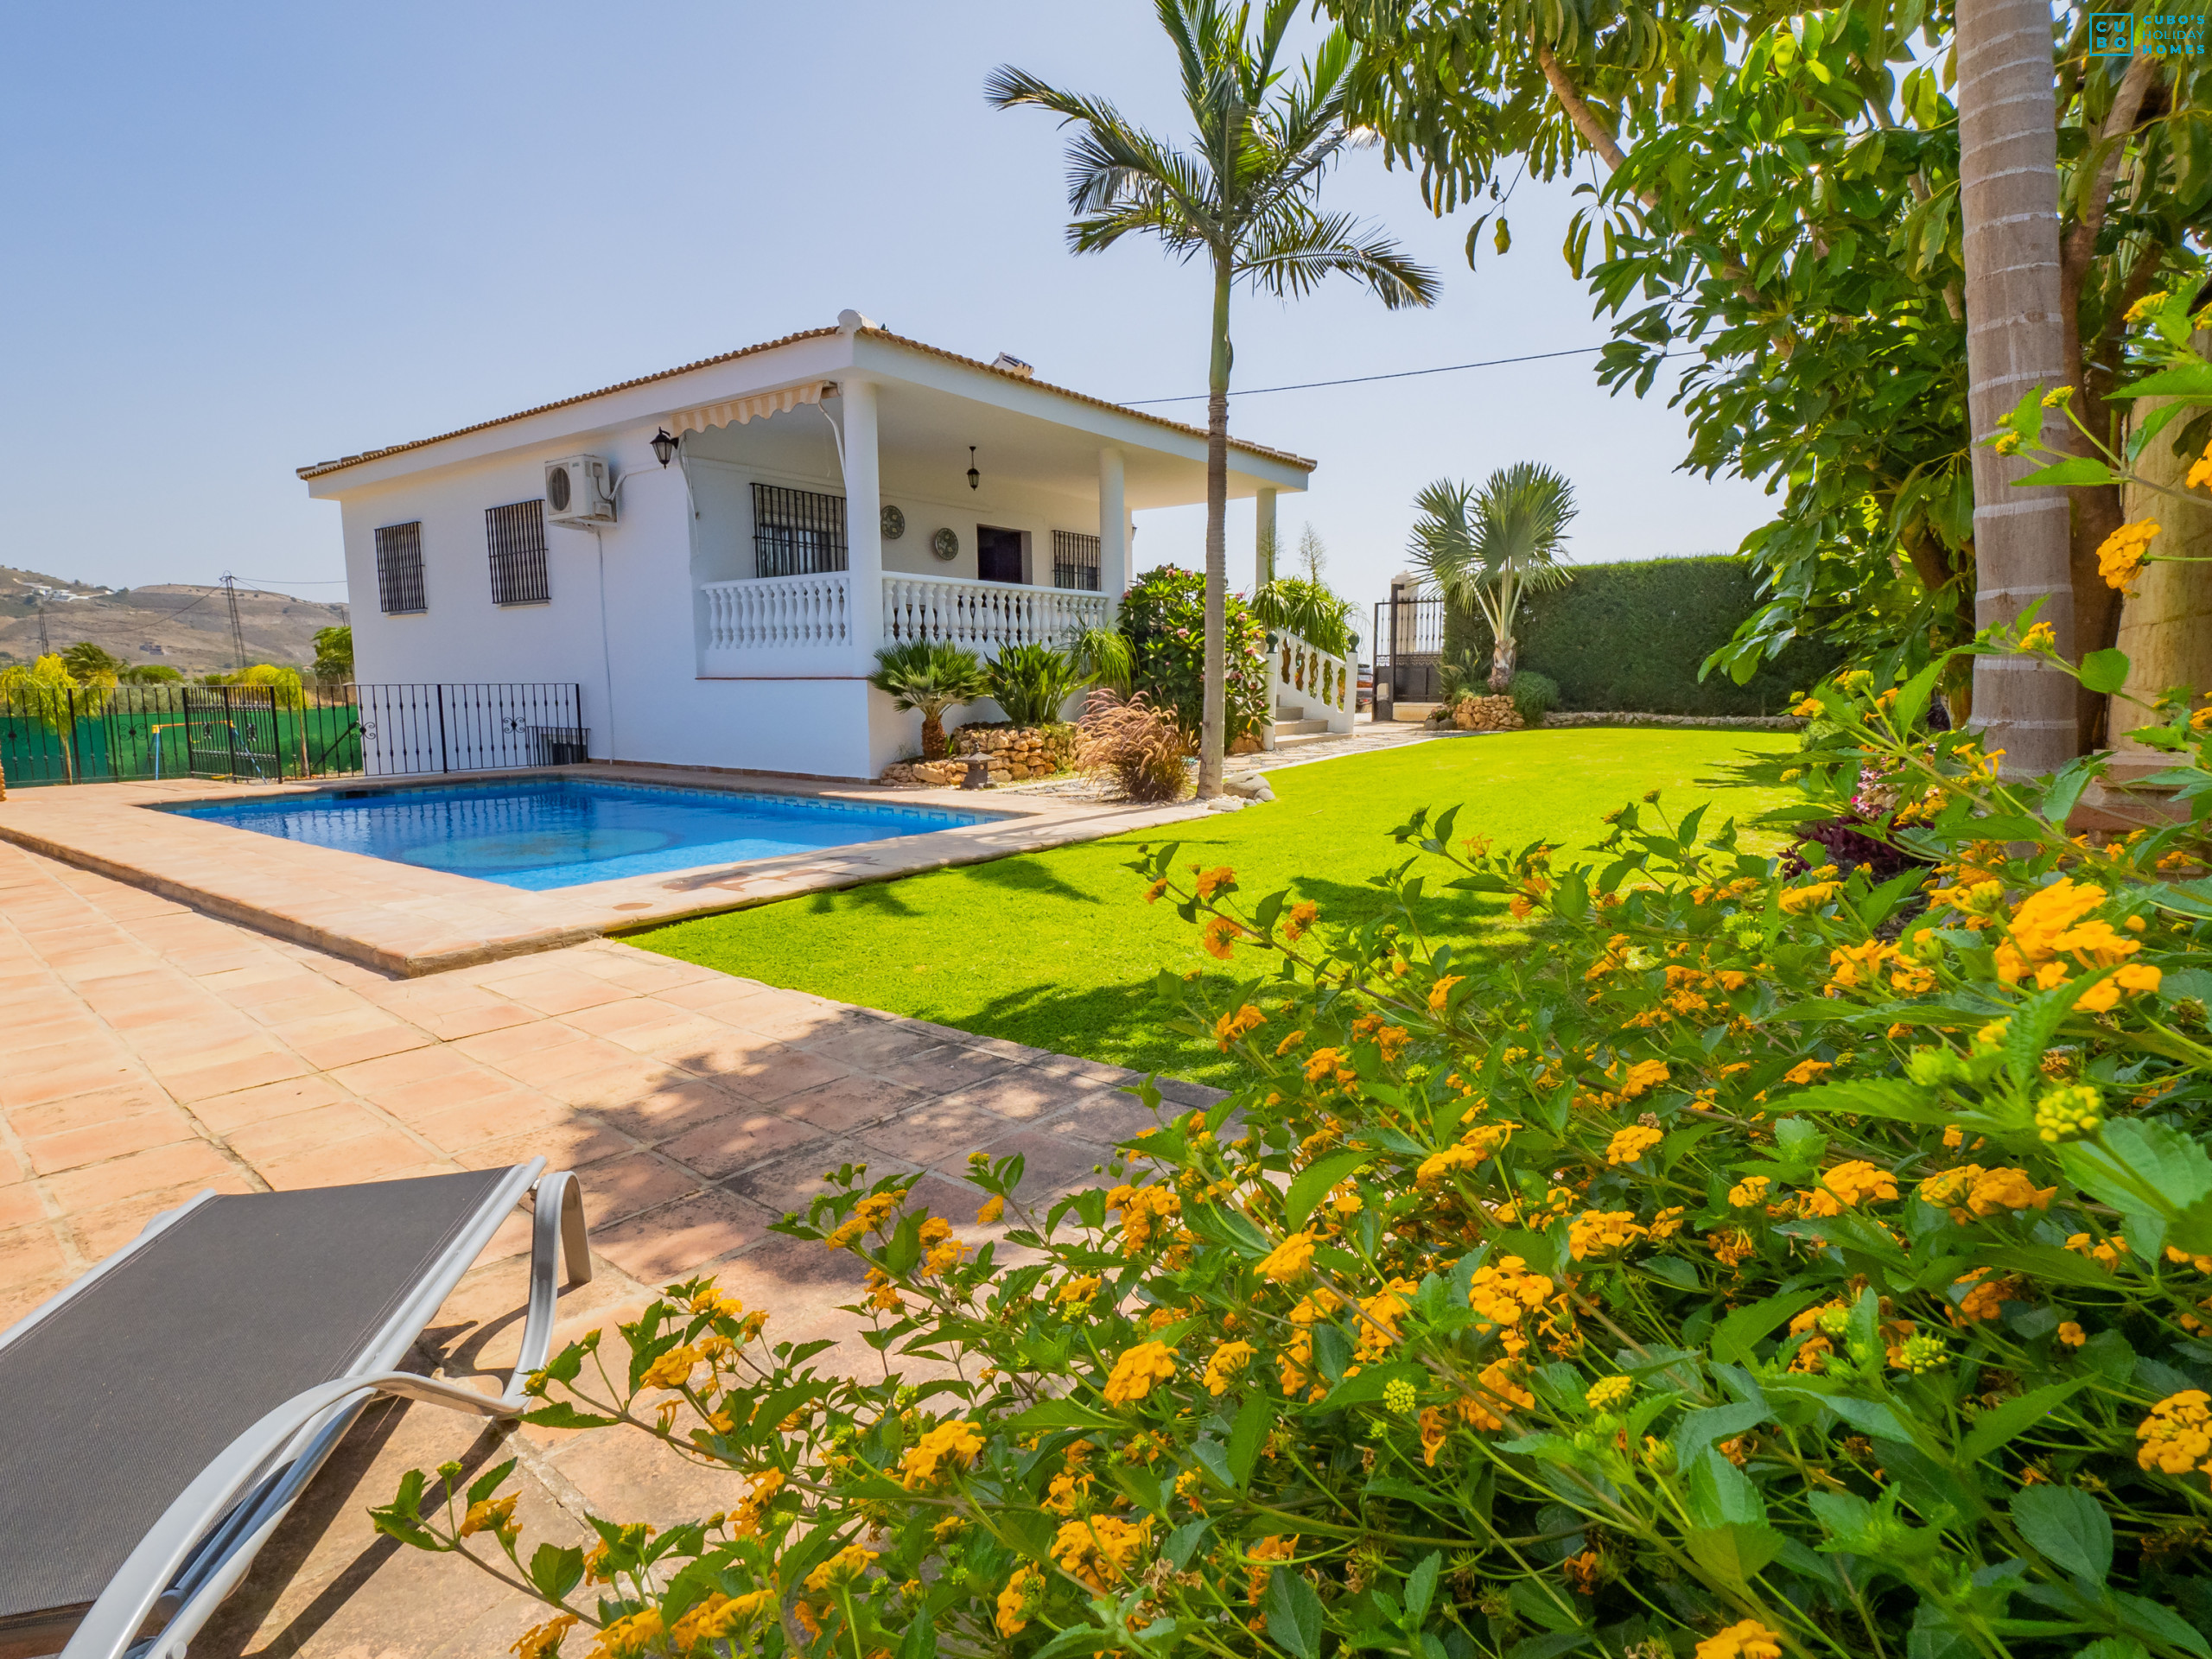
point(544, 833)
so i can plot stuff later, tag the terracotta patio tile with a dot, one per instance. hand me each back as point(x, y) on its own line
point(791, 1184)
point(474, 1020)
point(382, 1155)
point(853, 1102)
point(558, 991)
point(228, 1076)
point(413, 1102)
point(371, 1079)
point(722, 996)
point(612, 1085)
point(738, 1141)
point(81, 1111)
point(138, 1173)
point(647, 1026)
point(946, 1068)
point(345, 1048)
point(32, 1085)
point(276, 1138)
point(18, 1299)
point(235, 1110)
point(620, 1187)
point(669, 1107)
point(675, 1241)
point(940, 1134)
point(487, 1119)
point(555, 1060)
point(763, 1070)
point(32, 1252)
point(1021, 1094)
point(496, 1047)
point(72, 1148)
point(20, 1205)
point(574, 1143)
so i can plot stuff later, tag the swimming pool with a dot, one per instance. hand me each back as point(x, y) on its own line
point(539, 834)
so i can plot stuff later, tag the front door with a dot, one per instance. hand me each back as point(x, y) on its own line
point(998, 554)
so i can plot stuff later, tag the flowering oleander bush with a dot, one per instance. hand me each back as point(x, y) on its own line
point(1164, 616)
point(1753, 1264)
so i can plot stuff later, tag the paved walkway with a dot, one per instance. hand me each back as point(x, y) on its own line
point(152, 1050)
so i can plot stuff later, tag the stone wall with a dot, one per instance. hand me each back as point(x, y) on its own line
point(1016, 752)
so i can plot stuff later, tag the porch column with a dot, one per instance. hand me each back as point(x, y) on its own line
point(1112, 531)
point(1263, 539)
point(864, 524)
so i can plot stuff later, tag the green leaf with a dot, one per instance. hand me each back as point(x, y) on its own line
point(2190, 381)
point(1255, 1419)
point(2076, 470)
point(1890, 1097)
point(1316, 1180)
point(1061, 1413)
point(1421, 1589)
point(2027, 1032)
point(1293, 1614)
point(1183, 1542)
point(1735, 1554)
point(1869, 1416)
point(488, 1483)
point(2104, 672)
point(1735, 1337)
point(2141, 1166)
point(2069, 1528)
point(1721, 1495)
point(920, 1640)
point(556, 1571)
point(1993, 1428)
point(562, 1415)
point(1699, 1429)
point(2147, 1618)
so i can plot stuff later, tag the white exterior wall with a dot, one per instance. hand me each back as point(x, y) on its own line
point(637, 660)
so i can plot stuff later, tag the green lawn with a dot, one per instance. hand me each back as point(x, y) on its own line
point(1058, 950)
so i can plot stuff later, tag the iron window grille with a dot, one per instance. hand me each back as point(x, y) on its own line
point(796, 532)
point(399, 568)
point(1075, 561)
point(515, 535)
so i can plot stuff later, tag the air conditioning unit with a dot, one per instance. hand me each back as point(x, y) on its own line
point(577, 492)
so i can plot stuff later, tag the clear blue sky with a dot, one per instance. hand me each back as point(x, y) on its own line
point(251, 236)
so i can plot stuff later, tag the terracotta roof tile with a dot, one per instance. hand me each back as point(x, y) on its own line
point(323, 468)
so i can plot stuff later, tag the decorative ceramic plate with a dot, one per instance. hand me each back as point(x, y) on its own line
point(946, 544)
point(894, 524)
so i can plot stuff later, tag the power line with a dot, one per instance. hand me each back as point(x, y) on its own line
point(287, 582)
point(1357, 379)
point(1401, 374)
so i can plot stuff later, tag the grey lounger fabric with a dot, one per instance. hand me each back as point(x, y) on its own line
point(121, 1394)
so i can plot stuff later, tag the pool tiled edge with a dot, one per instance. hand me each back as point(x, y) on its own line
point(408, 921)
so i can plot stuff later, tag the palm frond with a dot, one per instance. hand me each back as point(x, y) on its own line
point(1291, 255)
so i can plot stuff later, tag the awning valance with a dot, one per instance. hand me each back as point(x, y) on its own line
point(759, 407)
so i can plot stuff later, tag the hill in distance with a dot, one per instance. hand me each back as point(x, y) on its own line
point(178, 625)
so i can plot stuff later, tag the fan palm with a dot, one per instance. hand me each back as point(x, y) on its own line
point(1242, 196)
point(932, 675)
point(1491, 547)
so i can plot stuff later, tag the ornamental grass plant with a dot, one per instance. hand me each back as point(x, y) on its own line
point(1759, 1265)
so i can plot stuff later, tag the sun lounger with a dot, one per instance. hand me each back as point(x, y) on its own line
point(160, 1417)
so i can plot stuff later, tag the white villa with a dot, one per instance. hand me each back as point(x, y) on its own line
point(829, 492)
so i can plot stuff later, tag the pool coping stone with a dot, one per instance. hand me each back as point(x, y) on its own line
point(401, 919)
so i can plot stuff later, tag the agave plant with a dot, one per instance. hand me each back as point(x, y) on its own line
point(1032, 683)
point(932, 675)
point(1491, 548)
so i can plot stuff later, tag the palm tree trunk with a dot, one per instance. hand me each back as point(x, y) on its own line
point(2008, 189)
point(1213, 722)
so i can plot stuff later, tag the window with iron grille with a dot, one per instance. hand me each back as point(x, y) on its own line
point(796, 532)
point(1075, 561)
point(516, 537)
point(399, 568)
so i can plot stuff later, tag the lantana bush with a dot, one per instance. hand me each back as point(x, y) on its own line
point(1753, 1264)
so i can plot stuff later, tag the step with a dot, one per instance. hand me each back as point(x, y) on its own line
point(1300, 728)
point(1292, 741)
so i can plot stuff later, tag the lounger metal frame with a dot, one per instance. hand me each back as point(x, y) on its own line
point(203, 1544)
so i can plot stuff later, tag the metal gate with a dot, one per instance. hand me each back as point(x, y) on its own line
point(231, 731)
point(1408, 649)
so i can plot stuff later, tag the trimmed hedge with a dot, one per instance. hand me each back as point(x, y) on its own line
point(1629, 637)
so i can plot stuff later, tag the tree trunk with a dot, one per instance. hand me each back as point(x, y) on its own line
point(2097, 512)
point(2008, 189)
point(1214, 725)
point(1502, 656)
point(933, 743)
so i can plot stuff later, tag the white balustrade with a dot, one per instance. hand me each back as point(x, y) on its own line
point(779, 625)
point(1304, 674)
point(985, 615)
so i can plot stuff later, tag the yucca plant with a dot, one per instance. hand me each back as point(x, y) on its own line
point(1033, 683)
point(932, 675)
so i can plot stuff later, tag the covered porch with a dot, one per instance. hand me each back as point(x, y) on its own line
point(921, 496)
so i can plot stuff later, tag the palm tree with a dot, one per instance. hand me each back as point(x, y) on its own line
point(1493, 547)
point(1242, 197)
point(2008, 204)
point(932, 675)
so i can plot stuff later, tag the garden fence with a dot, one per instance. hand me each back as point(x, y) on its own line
point(100, 734)
point(1409, 650)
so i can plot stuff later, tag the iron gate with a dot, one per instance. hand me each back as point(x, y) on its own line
point(1408, 649)
point(231, 731)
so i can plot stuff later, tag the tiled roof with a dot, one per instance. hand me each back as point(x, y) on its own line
point(322, 467)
